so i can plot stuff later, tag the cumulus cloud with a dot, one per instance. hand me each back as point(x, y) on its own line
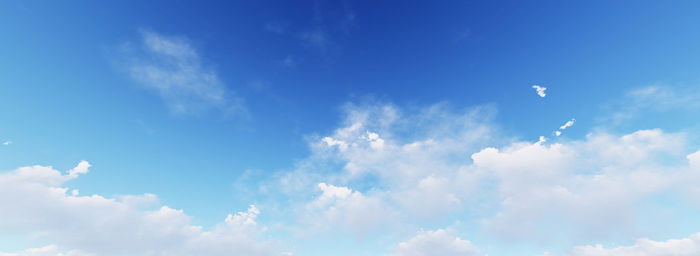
point(126, 225)
point(437, 242)
point(423, 172)
point(591, 185)
point(540, 90)
point(341, 207)
point(676, 247)
point(171, 67)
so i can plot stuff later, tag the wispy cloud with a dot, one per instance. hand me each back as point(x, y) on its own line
point(329, 25)
point(171, 67)
point(540, 90)
point(564, 126)
point(654, 98)
point(7, 143)
point(567, 124)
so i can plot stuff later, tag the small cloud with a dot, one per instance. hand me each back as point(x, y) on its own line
point(563, 127)
point(541, 140)
point(7, 143)
point(567, 124)
point(333, 142)
point(540, 90)
point(82, 168)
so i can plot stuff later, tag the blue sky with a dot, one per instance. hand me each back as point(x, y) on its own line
point(349, 128)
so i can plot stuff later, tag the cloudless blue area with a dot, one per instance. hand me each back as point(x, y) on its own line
point(62, 99)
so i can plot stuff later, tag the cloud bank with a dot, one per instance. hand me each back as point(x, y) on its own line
point(127, 225)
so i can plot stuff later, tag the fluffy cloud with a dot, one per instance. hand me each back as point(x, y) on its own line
point(421, 169)
point(432, 163)
point(540, 90)
point(340, 207)
point(676, 247)
point(592, 185)
point(112, 226)
point(171, 67)
point(437, 242)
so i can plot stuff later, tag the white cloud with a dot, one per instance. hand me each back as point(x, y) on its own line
point(591, 185)
point(82, 168)
point(672, 247)
point(333, 142)
point(540, 90)
point(340, 207)
point(331, 192)
point(374, 140)
point(564, 126)
point(694, 159)
point(171, 67)
point(49, 250)
point(437, 242)
point(567, 124)
point(422, 172)
point(127, 225)
point(7, 143)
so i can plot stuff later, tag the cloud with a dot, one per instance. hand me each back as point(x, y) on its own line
point(7, 143)
point(540, 90)
point(567, 124)
point(172, 68)
point(126, 225)
point(591, 186)
point(341, 207)
point(435, 162)
point(49, 250)
point(676, 247)
point(653, 99)
point(437, 242)
point(564, 126)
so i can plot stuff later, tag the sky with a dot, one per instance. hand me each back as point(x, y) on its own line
point(548, 128)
